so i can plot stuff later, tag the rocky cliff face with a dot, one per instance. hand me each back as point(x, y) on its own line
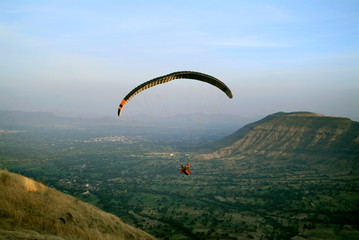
point(299, 138)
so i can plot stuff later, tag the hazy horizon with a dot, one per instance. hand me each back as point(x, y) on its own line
point(76, 58)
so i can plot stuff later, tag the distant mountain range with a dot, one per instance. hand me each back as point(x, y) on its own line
point(16, 119)
point(207, 127)
point(30, 210)
point(298, 139)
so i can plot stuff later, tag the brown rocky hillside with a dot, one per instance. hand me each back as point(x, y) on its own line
point(302, 139)
point(30, 210)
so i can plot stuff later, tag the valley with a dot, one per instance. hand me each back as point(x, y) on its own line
point(232, 197)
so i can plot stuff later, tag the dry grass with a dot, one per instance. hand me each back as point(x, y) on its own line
point(29, 207)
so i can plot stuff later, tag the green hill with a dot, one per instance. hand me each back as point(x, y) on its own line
point(30, 210)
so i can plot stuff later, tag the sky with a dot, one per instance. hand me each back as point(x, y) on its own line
point(81, 57)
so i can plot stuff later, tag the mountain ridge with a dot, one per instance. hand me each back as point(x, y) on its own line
point(304, 137)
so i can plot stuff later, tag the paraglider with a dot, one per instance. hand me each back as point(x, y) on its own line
point(172, 76)
point(169, 77)
point(185, 169)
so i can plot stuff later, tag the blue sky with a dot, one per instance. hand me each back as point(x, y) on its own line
point(81, 57)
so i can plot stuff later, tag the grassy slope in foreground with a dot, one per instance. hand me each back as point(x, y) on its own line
point(29, 209)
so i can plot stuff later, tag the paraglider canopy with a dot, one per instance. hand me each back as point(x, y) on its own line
point(172, 76)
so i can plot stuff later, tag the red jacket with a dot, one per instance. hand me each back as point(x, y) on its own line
point(185, 169)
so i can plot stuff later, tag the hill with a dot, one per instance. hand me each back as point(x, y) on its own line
point(30, 210)
point(304, 139)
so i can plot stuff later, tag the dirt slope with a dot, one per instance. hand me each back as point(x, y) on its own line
point(30, 210)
